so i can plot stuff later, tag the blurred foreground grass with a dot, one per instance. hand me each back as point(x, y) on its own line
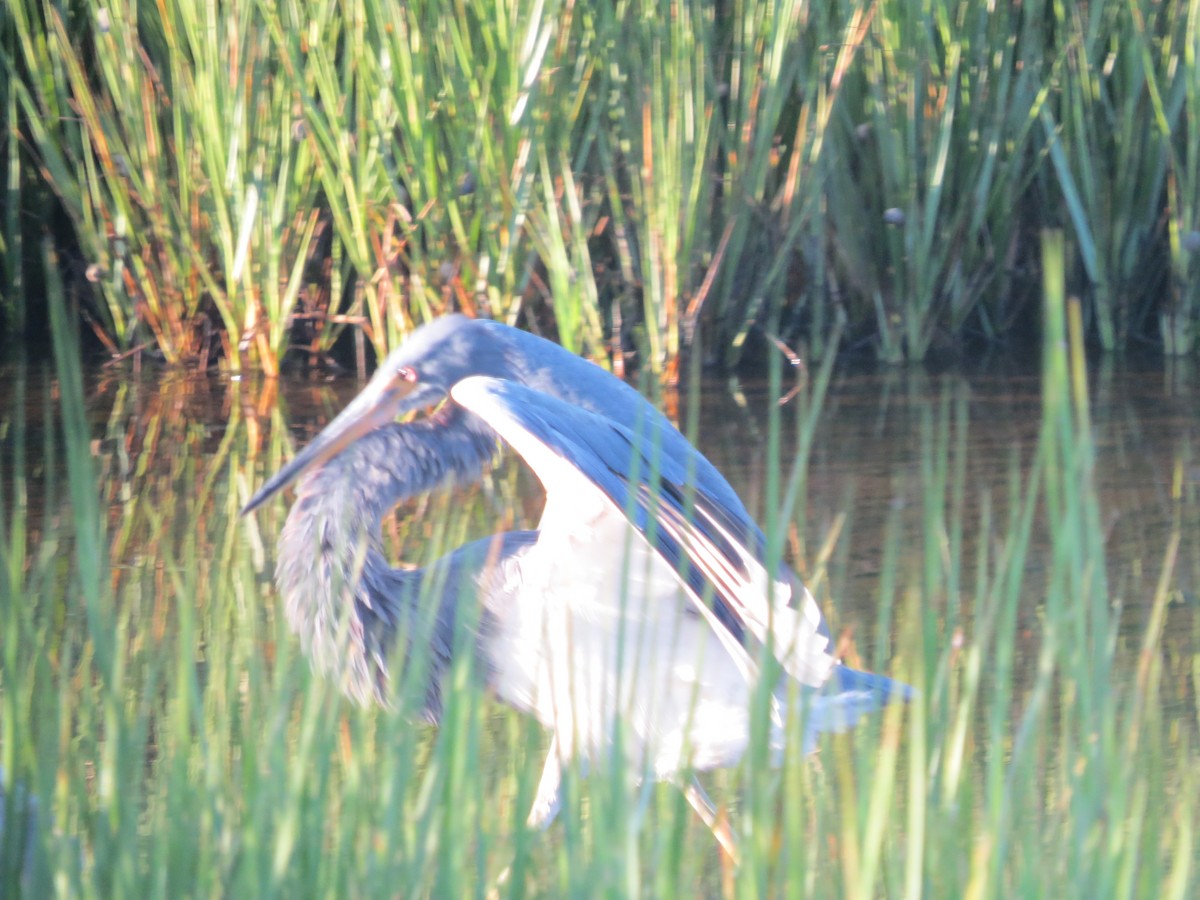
point(153, 700)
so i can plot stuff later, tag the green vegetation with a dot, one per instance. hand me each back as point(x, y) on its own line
point(231, 179)
point(153, 699)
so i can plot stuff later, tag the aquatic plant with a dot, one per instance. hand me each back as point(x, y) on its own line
point(229, 181)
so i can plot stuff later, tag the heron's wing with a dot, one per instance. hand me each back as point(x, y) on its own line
point(572, 451)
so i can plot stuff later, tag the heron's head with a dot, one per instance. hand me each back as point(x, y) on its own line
point(417, 375)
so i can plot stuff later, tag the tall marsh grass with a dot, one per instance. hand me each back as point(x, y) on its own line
point(241, 177)
point(153, 700)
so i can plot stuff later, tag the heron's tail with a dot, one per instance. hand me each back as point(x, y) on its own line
point(845, 698)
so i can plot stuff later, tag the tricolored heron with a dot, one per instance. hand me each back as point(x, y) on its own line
point(643, 595)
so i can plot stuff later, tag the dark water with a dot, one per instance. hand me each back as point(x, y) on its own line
point(875, 436)
point(875, 430)
point(157, 436)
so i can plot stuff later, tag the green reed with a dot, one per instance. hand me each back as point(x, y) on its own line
point(12, 298)
point(153, 699)
point(1176, 100)
point(934, 141)
point(241, 177)
point(168, 135)
point(1105, 140)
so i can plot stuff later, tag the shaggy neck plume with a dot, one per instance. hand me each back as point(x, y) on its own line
point(341, 597)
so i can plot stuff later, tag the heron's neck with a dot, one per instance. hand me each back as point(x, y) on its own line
point(328, 568)
point(349, 607)
point(402, 460)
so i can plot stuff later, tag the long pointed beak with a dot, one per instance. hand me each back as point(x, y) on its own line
point(377, 405)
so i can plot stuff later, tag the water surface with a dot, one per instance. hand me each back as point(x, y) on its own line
point(157, 436)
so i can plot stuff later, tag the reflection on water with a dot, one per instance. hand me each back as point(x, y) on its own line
point(868, 454)
point(865, 464)
point(156, 439)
